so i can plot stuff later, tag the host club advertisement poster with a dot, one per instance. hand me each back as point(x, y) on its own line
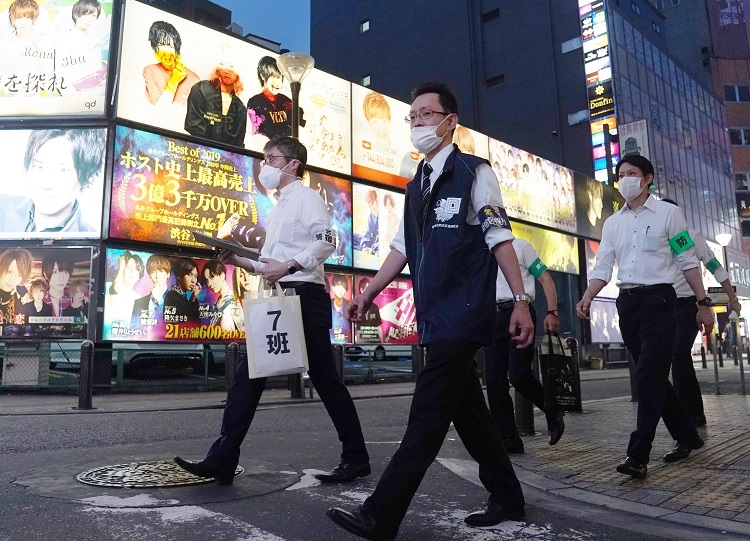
point(45, 292)
point(54, 56)
point(164, 188)
point(173, 73)
point(161, 297)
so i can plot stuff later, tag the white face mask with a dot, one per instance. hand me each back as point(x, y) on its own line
point(270, 176)
point(425, 138)
point(630, 187)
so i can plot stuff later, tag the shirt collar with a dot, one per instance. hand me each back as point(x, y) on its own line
point(438, 160)
point(289, 189)
point(64, 226)
point(650, 204)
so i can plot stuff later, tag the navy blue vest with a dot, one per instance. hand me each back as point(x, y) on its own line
point(452, 269)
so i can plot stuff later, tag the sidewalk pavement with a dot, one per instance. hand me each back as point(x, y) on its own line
point(710, 489)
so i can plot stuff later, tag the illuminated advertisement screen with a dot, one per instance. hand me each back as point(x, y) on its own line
point(472, 142)
point(174, 72)
point(165, 188)
point(45, 292)
point(52, 183)
point(392, 318)
point(376, 217)
point(610, 291)
point(340, 289)
point(381, 145)
point(556, 250)
point(605, 322)
point(161, 297)
point(595, 202)
point(54, 56)
point(534, 189)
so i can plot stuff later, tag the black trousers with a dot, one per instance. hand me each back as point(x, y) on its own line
point(244, 394)
point(503, 360)
point(683, 372)
point(647, 323)
point(447, 390)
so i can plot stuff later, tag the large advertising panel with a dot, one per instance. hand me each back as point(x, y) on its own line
point(610, 291)
point(52, 184)
point(340, 289)
point(377, 214)
point(178, 75)
point(392, 318)
point(54, 56)
point(44, 292)
point(534, 189)
point(556, 250)
point(164, 188)
point(381, 144)
point(160, 297)
point(595, 202)
point(472, 142)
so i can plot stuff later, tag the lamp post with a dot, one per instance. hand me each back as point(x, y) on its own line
point(295, 67)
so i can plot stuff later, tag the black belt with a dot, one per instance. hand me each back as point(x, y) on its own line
point(637, 290)
point(504, 305)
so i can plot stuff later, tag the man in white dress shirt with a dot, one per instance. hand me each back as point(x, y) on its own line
point(650, 241)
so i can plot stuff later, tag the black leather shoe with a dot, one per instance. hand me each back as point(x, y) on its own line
point(632, 468)
point(683, 450)
point(699, 420)
point(513, 446)
point(359, 523)
point(493, 513)
point(222, 476)
point(555, 427)
point(344, 473)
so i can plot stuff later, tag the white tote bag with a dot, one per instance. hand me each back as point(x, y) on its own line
point(274, 333)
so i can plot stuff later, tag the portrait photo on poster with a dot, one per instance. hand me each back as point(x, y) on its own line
point(52, 185)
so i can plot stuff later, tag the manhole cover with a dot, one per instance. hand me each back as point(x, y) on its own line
point(160, 473)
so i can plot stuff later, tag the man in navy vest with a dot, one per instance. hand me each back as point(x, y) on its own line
point(453, 235)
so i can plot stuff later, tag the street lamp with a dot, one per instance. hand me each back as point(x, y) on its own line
point(295, 67)
point(724, 239)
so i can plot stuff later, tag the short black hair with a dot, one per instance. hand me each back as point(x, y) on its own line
point(163, 33)
point(64, 261)
point(339, 280)
point(446, 97)
point(290, 147)
point(183, 266)
point(670, 201)
point(86, 7)
point(646, 167)
point(267, 68)
point(87, 146)
point(215, 268)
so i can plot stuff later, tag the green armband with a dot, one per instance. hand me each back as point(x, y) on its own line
point(681, 242)
point(537, 268)
point(713, 265)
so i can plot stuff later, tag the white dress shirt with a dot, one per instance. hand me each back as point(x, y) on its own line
point(704, 254)
point(639, 241)
point(299, 228)
point(526, 258)
point(485, 191)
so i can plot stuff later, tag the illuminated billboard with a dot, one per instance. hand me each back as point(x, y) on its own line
point(174, 72)
point(54, 57)
point(472, 142)
point(392, 318)
point(377, 214)
point(557, 250)
point(381, 144)
point(164, 188)
point(52, 185)
point(161, 297)
point(595, 202)
point(44, 292)
point(534, 189)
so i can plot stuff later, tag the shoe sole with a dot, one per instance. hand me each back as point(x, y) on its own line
point(331, 480)
point(631, 473)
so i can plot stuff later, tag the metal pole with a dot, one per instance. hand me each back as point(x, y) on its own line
point(721, 358)
point(703, 357)
point(296, 86)
point(231, 361)
point(742, 374)
point(86, 379)
point(716, 370)
point(608, 153)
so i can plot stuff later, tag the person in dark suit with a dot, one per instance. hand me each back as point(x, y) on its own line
point(181, 302)
point(37, 308)
point(158, 268)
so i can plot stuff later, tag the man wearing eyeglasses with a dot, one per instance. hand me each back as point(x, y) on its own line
point(454, 235)
point(293, 255)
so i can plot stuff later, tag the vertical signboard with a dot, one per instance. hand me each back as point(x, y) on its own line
point(634, 140)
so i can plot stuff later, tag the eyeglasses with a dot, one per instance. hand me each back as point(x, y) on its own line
point(424, 115)
point(268, 160)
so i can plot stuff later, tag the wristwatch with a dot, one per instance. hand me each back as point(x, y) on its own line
point(706, 301)
point(553, 313)
point(291, 269)
point(524, 297)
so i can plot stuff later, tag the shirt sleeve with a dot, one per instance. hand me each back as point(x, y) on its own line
point(529, 255)
point(399, 243)
point(323, 242)
point(485, 196)
point(605, 257)
point(706, 255)
point(675, 225)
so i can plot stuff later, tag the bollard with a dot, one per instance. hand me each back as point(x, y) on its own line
point(716, 370)
point(703, 357)
point(338, 360)
point(231, 362)
point(86, 376)
point(296, 386)
point(742, 374)
point(721, 358)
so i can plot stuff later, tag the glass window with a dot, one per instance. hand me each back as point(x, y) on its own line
point(730, 93)
point(740, 180)
point(366, 80)
point(364, 26)
point(745, 228)
point(743, 93)
point(735, 136)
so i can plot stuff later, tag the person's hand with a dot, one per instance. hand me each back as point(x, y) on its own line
point(551, 323)
point(196, 289)
point(273, 270)
point(521, 326)
point(705, 317)
point(357, 308)
point(582, 308)
point(735, 306)
point(228, 257)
